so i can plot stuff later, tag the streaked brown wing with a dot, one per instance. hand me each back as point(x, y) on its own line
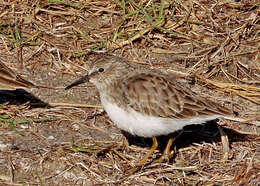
point(11, 81)
point(163, 97)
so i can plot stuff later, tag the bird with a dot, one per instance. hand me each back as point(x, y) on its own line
point(9, 80)
point(147, 102)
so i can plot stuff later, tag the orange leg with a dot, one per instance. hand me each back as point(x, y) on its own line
point(141, 163)
point(166, 152)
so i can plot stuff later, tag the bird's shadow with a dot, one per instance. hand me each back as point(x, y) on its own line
point(21, 96)
point(208, 132)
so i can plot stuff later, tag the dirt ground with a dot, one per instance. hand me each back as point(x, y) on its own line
point(69, 140)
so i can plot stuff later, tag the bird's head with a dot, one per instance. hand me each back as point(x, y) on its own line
point(104, 70)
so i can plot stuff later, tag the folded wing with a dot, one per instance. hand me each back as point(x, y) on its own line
point(165, 97)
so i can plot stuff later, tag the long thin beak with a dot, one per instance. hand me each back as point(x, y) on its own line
point(84, 79)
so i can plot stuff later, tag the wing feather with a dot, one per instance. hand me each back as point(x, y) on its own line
point(161, 96)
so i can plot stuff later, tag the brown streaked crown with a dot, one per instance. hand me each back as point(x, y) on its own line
point(112, 70)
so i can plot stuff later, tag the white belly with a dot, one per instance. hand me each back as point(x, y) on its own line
point(148, 126)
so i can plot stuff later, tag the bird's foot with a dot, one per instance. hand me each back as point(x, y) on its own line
point(142, 162)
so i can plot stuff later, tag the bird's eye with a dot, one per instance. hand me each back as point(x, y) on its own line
point(101, 70)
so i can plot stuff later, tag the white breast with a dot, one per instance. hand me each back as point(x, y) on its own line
point(148, 126)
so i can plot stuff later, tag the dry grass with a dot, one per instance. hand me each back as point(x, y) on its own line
point(215, 43)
